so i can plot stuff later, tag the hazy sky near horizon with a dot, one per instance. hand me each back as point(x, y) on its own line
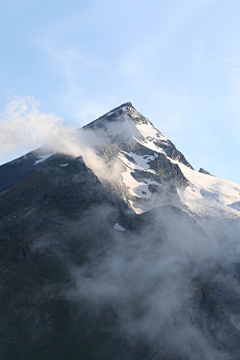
point(177, 61)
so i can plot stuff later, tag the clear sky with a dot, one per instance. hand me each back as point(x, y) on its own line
point(177, 61)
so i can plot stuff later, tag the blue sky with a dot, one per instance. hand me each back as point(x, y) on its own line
point(177, 61)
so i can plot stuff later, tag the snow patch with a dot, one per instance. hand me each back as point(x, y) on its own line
point(150, 145)
point(110, 113)
point(142, 161)
point(63, 165)
point(43, 158)
point(118, 227)
point(139, 159)
point(138, 189)
point(135, 208)
point(130, 182)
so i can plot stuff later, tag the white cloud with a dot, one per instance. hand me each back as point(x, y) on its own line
point(22, 125)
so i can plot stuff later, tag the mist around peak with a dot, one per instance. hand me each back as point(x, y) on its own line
point(84, 276)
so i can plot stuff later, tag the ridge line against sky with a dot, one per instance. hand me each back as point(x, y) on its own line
point(178, 63)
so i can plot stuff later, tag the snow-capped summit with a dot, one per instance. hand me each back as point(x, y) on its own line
point(151, 170)
point(154, 172)
point(126, 123)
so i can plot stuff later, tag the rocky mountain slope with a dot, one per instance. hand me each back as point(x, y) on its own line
point(153, 172)
point(156, 173)
point(142, 263)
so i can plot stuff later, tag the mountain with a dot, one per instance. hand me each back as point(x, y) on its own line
point(155, 173)
point(134, 255)
point(153, 169)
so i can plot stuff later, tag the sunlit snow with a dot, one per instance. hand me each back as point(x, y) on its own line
point(147, 130)
point(141, 162)
point(150, 145)
point(209, 196)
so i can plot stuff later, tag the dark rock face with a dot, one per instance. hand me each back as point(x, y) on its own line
point(66, 189)
point(201, 170)
point(54, 219)
point(61, 263)
point(15, 171)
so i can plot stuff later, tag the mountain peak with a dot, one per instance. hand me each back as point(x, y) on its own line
point(128, 104)
point(111, 115)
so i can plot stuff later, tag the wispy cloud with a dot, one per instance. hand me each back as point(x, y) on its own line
point(22, 125)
